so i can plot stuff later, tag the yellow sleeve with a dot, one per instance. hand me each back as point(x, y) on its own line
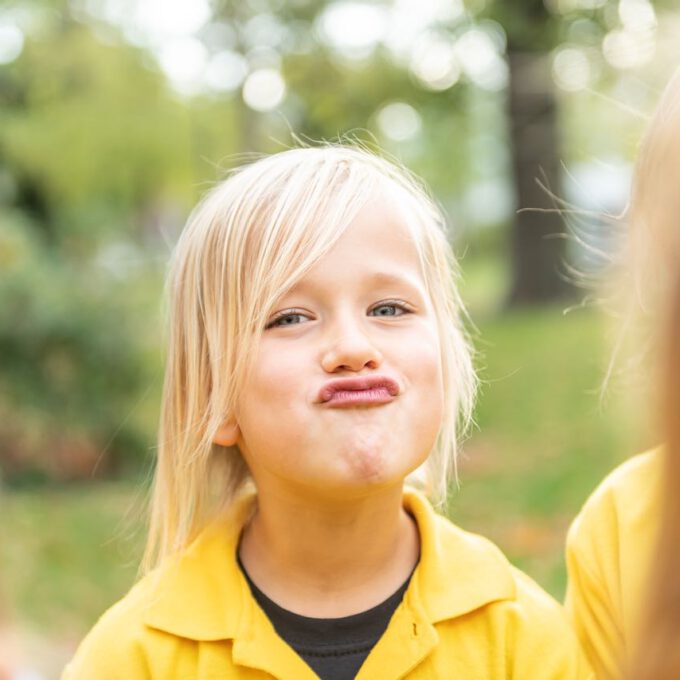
point(592, 602)
point(590, 611)
point(609, 550)
point(544, 645)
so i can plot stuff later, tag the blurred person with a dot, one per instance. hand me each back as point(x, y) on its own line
point(316, 360)
point(657, 652)
point(623, 550)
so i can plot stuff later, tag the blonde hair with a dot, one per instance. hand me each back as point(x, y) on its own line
point(643, 272)
point(248, 241)
point(655, 267)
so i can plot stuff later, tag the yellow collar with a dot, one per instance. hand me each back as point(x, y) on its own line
point(202, 594)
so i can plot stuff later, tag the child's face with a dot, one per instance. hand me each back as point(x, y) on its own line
point(362, 311)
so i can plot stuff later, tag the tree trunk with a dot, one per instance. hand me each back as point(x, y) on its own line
point(538, 245)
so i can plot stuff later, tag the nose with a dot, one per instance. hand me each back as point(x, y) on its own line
point(350, 350)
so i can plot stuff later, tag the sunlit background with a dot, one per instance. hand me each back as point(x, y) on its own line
point(115, 117)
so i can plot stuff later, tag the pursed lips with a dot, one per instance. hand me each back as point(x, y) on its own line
point(364, 391)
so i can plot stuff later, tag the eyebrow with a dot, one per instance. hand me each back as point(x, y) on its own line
point(386, 278)
point(375, 279)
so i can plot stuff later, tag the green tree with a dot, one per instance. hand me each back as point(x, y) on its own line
point(91, 136)
point(534, 29)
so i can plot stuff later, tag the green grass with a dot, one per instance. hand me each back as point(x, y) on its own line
point(544, 439)
point(68, 554)
point(542, 445)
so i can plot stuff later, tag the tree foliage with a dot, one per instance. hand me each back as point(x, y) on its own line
point(101, 160)
point(90, 134)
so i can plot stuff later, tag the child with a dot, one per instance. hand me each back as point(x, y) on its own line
point(657, 653)
point(316, 350)
point(611, 544)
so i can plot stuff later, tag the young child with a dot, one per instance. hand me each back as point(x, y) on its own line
point(611, 546)
point(316, 360)
point(656, 653)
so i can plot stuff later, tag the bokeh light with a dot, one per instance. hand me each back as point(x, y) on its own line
point(637, 15)
point(264, 89)
point(184, 61)
point(434, 62)
point(480, 59)
point(627, 49)
point(226, 71)
point(353, 28)
point(399, 121)
point(11, 43)
point(571, 69)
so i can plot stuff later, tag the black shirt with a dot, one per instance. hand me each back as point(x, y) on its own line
point(333, 648)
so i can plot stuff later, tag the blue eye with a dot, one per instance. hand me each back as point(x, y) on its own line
point(290, 318)
point(390, 309)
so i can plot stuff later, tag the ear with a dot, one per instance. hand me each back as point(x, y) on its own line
point(227, 433)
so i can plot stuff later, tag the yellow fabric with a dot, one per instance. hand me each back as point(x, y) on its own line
point(608, 556)
point(467, 614)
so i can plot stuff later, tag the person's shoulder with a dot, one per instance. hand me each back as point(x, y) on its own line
point(514, 618)
point(197, 594)
point(116, 645)
point(608, 553)
point(627, 498)
point(480, 567)
point(533, 603)
point(542, 640)
point(634, 474)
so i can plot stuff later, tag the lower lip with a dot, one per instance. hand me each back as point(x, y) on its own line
point(345, 398)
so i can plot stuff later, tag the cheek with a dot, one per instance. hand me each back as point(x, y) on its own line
point(276, 376)
point(427, 379)
point(269, 401)
point(423, 358)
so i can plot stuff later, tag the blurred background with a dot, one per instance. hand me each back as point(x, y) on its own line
point(115, 117)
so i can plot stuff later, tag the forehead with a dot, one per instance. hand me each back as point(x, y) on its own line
point(379, 244)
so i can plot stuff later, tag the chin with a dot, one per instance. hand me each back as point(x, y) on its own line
point(370, 469)
point(376, 468)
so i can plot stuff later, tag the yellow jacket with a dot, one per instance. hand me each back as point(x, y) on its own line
point(609, 550)
point(467, 613)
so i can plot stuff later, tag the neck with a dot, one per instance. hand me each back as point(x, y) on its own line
point(330, 558)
